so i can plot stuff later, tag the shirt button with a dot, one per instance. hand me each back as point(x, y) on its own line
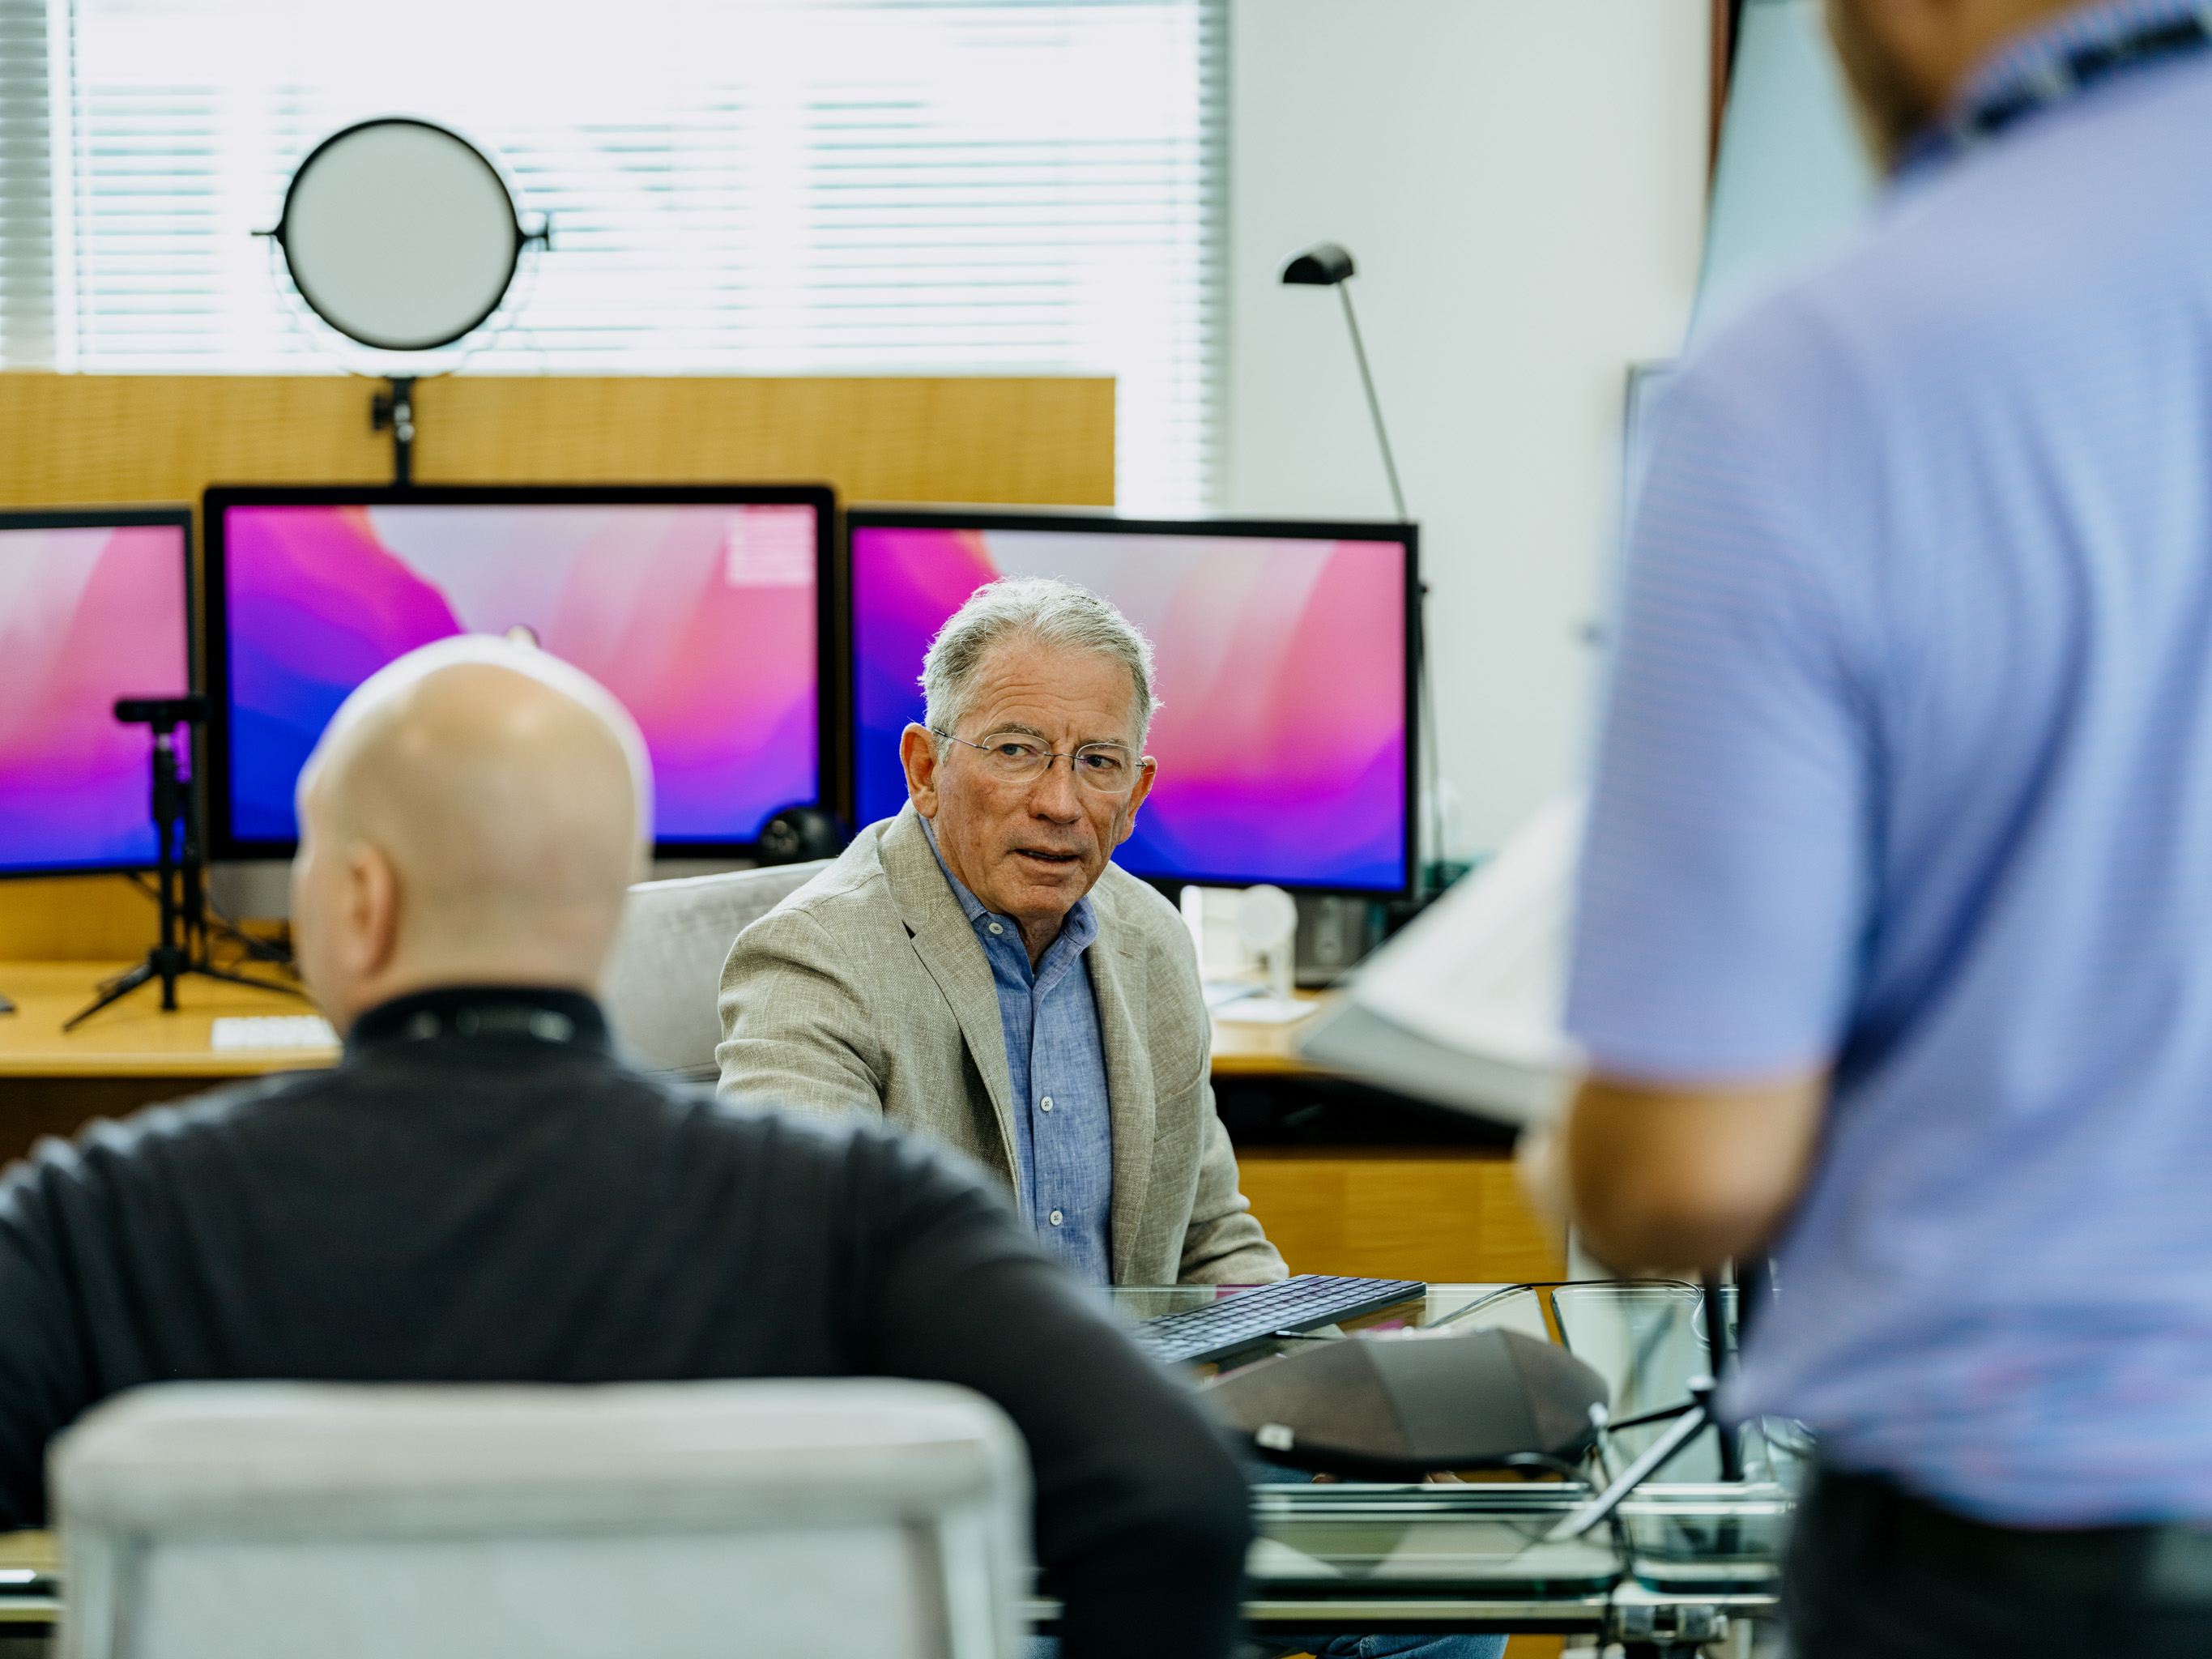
point(1046, 1103)
point(1055, 1218)
point(996, 929)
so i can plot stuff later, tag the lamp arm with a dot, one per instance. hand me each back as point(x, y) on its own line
point(1374, 404)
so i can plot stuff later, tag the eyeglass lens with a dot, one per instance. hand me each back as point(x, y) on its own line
point(1104, 767)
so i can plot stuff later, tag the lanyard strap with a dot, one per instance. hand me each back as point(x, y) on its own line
point(2054, 82)
point(490, 1019)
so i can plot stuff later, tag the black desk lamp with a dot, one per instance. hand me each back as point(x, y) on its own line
point(1329, 265)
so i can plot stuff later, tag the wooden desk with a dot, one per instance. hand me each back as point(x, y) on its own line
point(1243, 1050)
point(134, 1037)
point(126, 1056)
point(1432, 1214)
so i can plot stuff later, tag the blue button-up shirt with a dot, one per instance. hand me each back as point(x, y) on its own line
point(1056, 1059)
point(1908, 776)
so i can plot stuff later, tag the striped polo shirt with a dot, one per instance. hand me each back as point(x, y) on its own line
point(1907, 776)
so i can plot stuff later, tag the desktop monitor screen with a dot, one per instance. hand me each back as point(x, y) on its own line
point(700, 608)
point(94, 605)
point(1283, 673)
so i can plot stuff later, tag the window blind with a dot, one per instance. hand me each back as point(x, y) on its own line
point(805, 187)
point(26, 216)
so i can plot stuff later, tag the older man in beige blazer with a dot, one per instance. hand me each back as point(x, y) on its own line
point(976, 970)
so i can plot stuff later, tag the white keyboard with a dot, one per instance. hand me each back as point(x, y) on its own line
point(272, 1031)
point(1220, 993)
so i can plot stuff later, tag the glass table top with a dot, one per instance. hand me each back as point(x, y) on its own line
point(1470, 1553)
point(1476, 1552)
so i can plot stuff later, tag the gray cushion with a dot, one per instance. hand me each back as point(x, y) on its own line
point(662, 979)
point(807, 1519)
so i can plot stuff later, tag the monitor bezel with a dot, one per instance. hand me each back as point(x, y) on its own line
point(178, 517)
point(986, 518)
point(223, 844)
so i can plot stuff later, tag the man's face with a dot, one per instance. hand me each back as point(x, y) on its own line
point(1031, 849)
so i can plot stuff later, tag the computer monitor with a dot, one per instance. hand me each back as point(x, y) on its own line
point(701, 608)
point(96, 603)
point(1285, 734)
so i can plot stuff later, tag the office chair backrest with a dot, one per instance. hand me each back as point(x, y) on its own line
point(667, 969)
point(810, 1520)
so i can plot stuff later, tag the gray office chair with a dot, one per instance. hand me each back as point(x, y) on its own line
point(662, 979)
point(807, 1519)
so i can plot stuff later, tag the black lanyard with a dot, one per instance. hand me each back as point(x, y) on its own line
point(488, 1019)
point(2055, 83)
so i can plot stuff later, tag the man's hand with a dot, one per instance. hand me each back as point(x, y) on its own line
point(1674, 1180)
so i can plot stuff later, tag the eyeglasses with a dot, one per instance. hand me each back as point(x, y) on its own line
point(1016, 757)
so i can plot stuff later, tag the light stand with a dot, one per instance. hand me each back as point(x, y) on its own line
point(404, 237)
point(178, 866)
point(1690, 1421)
point(395, 409)
point(1716, 1356)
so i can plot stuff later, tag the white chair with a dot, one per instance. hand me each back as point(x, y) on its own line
point(667, 969)
point(817, 1520)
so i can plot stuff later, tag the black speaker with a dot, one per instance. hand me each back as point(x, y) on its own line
point(1397, 1408)
point(1334, 935)
point(797, 834)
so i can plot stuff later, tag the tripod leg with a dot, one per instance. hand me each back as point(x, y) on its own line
point(229, 978)
point(113, 991)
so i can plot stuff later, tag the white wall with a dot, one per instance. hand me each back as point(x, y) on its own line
point(1794, 178)
point(1522, 185)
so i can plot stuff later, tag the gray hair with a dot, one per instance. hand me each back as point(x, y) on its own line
point(1041, 608)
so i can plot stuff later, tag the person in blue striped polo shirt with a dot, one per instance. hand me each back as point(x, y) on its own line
point(1894, 939)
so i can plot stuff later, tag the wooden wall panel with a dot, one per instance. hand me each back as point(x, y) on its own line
point(75, 918)
point(115, 438)
point(1442, 1215)
point(919, 440)
point(72, 438)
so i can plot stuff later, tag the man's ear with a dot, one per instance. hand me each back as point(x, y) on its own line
point(1148, 772)
point(918, 754)
point(371, 910)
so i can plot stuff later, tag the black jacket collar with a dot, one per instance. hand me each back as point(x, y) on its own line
point(539, 1016)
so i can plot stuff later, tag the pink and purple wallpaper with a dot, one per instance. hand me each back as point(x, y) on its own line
point(1281, 734)
point(87, 615)
point(701, 619)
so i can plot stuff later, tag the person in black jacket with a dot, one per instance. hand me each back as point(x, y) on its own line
point(482, 1191)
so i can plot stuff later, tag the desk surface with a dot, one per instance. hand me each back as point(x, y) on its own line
point(1252, 1050)
point(133, 1038)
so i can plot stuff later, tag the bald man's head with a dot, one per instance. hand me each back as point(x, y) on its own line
point(472, 815)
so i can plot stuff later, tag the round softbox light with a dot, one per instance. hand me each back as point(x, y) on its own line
point(400, 235)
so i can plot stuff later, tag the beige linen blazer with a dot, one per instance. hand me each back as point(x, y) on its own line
point(867, 992)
